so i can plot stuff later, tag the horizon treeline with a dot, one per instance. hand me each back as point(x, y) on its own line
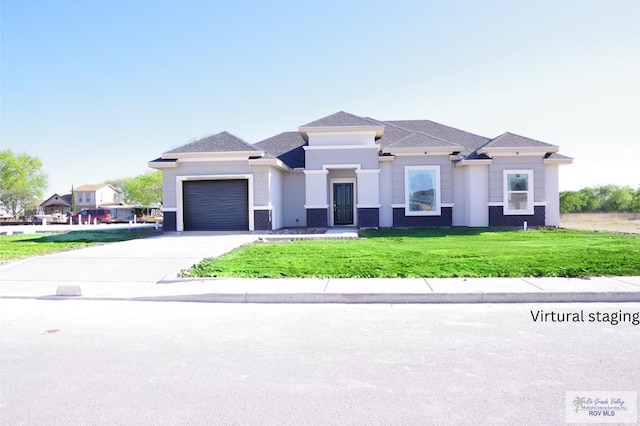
point(604, 198)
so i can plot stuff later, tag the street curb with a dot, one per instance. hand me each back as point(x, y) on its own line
point(369, 298)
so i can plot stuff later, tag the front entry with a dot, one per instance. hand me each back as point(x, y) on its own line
point(343, 203)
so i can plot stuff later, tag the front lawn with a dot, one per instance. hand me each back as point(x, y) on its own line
point(435, 253)
point(13, 247)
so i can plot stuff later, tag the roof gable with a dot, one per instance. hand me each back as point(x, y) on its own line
point(220, 142)
point(56, 199)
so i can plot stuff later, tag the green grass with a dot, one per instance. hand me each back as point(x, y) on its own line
point(14, 247)
point(435, 253)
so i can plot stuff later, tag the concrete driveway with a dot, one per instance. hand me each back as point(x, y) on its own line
point(141, 261)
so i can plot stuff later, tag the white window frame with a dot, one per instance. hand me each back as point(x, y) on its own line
point(505, 185)
point(437, 188)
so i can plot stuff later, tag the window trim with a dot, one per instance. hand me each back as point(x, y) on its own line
point(505, 195)
point(437, 187)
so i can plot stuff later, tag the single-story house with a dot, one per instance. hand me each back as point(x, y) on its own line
point(346, 170)
point(60, 204)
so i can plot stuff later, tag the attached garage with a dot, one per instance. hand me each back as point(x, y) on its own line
point(216, 205)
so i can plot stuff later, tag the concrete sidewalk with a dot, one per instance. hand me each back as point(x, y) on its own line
point(395, 290)
point(146, 269)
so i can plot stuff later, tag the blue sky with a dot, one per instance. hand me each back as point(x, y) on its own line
point(97, 89)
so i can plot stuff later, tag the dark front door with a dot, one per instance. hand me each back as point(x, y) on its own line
point(343, 204)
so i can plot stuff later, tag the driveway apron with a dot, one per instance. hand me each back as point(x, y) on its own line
point(146, 260)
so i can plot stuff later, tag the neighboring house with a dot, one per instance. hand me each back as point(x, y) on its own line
point(4, 213)
point(56, 204)
point(93, 196)
point(345, 170)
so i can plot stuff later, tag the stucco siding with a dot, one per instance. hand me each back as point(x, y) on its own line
point(367, 158)
point(275, 191)
point(500, 164)
point(446, 175)
point(202, 169)
point(338, 139)
point(293, 199)
point(169, 188)
point(386, 211)
point(460, 214)
point(552, 185)
point(261, 192)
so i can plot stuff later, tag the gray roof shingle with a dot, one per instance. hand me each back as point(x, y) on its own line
point(220, 142)
point(340, 118)
point(419, 140)
point(510, 140)
point(450, 134)
point(287, 147)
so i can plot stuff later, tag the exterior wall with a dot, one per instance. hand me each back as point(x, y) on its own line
point(386, 211)
point(497, 218)
point(364, 137)
point(261, 185)
point(500, 164)
point(275, 196)
point(201, 169)
point(258, 184)
point(476, 195)
point(316, 186)
point(402, 221)
point(460, 216)
point(366, 157)
point(107, 195)
point(96, 198)
point(169, 221)
point(446, 175)
point(368, 218)
point(552, 194)
point(262, 220)
point(368, 188)
point(84, 203)
point(293, 199)
point(317, 218)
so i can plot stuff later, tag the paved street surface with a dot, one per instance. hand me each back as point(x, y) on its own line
point(101, 362)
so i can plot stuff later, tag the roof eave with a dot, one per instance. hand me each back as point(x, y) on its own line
point(379, 129)
point(159, 165)
point(275, 162)
point(478, 162)
point(559, 161)
point(502, 151)
point(213, 154)
point(421, 150)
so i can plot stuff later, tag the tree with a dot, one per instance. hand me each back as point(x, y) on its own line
point(22, 180)
point(620, 199)
point(143, 190)
point(607, 198)
point(570, 202)
point(635, 202)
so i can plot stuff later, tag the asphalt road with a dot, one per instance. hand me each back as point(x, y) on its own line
point(91, 362)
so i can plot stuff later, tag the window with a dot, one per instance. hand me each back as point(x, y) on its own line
point(422, 190)
point(518, 192)
point(80, 197)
